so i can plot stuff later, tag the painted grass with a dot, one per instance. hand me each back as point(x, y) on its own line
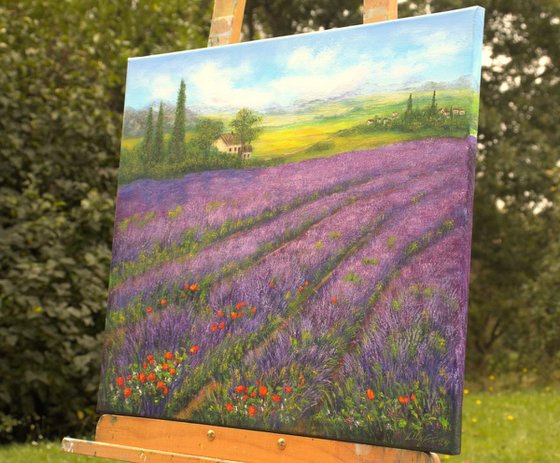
point(501, 427)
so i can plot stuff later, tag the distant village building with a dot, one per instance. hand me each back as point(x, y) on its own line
point(371, 121)
point(395, 115)
point(230, 143)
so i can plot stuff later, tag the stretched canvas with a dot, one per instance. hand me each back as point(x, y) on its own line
point(293, 232)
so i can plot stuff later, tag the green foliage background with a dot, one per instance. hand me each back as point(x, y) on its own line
point(62, 70)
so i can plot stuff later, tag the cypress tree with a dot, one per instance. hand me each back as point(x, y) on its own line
point(178, 147)
point(148, 143)
point(158, 137)
point(433, 108)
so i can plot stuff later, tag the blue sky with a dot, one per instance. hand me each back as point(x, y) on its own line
point(340, 62)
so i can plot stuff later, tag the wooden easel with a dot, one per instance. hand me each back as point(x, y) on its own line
point(146, 440)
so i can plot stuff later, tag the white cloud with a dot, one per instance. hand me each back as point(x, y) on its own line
point(162, 87)
point(312, 60)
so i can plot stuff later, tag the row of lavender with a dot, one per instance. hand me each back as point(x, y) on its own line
point(266, 322)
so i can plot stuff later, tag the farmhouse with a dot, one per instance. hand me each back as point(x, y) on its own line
point(230, 143)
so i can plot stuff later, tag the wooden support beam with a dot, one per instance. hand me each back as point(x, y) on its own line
point(380, 10)
point(227, 20)
point(149, 440)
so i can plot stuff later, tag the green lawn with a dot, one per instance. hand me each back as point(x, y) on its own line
point(508, 427)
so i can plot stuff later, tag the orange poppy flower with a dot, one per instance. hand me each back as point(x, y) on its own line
point(165, 367)
point(165, 390)
point(404, 399)
point(194, 288)
point(300, 289)
point(120, 381)
point(172, 371)
point(239, 314)
point(333, 299)
point(194, 349)
point(240, 305)
point(413, 397)
point(151, 377)
point(143, 378)
point(252, 410)
point(149, 309)
point(300, 376)
point(276, 398)
point(163, 301)
point(370, 395)
point(127, 393)
point(272, 284)
point(214, 328)
point(168, 356)
point(233, 315)
point(288, 389)
point(229, 407)
point(253, 310)
point(306, 284)
point(160, 385)
point(220, 313)
point(263, 391)
point(240, 389)
point(145, 365)
point(221, 325)
point(253, 394)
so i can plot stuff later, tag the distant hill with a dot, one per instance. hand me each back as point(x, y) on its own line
point(135, 119)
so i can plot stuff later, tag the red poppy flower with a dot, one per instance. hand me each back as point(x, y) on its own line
point(129, 377)
point(370, 395)
point(214, 327)
point(263, 391)
point(143, 378)
point(272, 284)
point(165, 367)
point(194, 349)
point(404, 399)
point(302, 383)
point(245, 397)
point(165, 390)
point(127, 393)
point(163, 301)
point(149, 309)
point(300, 289)
point(257, 382)
point(160, 385)
point(240, 389)
point(276, 398)
point(333, 299)
point(151, 377)
point(253, 394)
point(300, 376)
point(168, 356)
point(239, 314)
point(240, 305)
point(230, 407)
point(252, 410)
point(220, 313)
point(221, 325)
point(172, 371)
point(150, 357)
point(145, 365)
point(253, 310)
point(233, 315)
point(151, 362)
point(186, 286)
point(413, 397)
point(288, 389)
point(120, 381)
point(306, 284)
point(194, 288)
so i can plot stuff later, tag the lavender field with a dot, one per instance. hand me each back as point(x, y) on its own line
point(326, 297)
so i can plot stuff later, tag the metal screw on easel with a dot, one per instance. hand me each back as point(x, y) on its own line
point(281, 444)
point(211, 435)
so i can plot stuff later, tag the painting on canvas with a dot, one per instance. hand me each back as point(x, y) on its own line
point(293, 230)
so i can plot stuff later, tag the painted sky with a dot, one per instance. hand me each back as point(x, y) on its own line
point(330, 64)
